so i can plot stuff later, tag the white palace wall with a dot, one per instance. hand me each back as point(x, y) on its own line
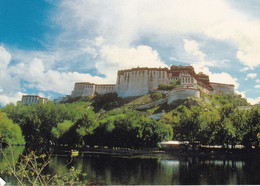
point(140, 81)
point(84, 89)
point(133, 83)
point(219, 88)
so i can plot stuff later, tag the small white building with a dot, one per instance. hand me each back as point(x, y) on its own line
point(33, 99)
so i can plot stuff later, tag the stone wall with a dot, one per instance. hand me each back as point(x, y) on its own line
point(219, 88)
point(83, 89)
point(104, 89)
point(182, 93)
point(139, 81)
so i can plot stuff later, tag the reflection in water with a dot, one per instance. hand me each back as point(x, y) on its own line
point(106, 169)
point(112, 170)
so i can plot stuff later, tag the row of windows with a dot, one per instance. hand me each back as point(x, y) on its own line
point(187, 80)
point(100, 86)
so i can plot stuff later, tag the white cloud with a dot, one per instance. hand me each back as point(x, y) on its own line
point(251, 76)
point(257, 80)
point(192, 48)
point(35, 76)
point(217, 77)
point(103, 35)
point(8, 83)
point(253, 101)
point(122, 22)
point(5, 58)
point(62, 82)
point(244, 69)
point(243, 93)
point(49, 80)
point(257, 86)
point(10, 98)
point(114, 58)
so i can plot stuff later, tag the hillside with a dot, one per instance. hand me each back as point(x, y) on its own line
point(139, 122)
point(156, 102)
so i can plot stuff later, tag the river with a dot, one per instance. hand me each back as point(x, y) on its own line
point(170, 170)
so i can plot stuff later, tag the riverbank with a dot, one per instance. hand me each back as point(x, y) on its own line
point(207, 153)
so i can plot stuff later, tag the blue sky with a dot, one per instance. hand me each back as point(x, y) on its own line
point(46, 46)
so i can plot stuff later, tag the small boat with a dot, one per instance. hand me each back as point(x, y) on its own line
point(74, 153)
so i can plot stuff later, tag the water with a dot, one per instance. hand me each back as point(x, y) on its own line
point(106, 169)
point(113, 170)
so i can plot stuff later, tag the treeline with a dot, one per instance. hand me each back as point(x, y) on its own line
point(218, 120)
point(225, 125)
point(77, 124)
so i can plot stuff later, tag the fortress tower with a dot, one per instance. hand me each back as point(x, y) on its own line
point(139, 81)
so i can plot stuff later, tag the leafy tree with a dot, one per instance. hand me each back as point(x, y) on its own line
point(131, 129)
point(61, 128)
point(186, 126)
point(9, 132)
point(252, 128)
point(86, 126)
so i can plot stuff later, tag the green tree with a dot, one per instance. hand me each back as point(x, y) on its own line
point(10, 132)
point(86, 126)
point(252, 128)
point(61, 128)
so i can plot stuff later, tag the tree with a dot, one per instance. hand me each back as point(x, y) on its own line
point(252, 128)
point(86, 126)
point(186, 126)
point(131, 129)
point(10, 132)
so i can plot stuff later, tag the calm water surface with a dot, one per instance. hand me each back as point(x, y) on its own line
point(107, 169)
point(112, 170)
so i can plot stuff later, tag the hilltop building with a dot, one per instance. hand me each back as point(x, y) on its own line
point(140, 81)
point(33, 99)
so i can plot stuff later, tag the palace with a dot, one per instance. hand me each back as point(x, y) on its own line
point(140, 81)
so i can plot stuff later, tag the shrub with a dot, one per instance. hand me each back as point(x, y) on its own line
point(156, 96)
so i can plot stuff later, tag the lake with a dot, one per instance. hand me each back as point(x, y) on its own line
point(170, 170)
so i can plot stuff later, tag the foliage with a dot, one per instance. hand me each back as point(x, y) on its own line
point(86, 125)
point(156, 96)
point(130, 129)
point(9, 131)
point(172, 85)
point(37, 121)
point(106, 101)
point(30, 170)
point(211, 119)
point(61, 128)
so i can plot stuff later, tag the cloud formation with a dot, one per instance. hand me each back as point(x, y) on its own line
point(201, 65)
point(251, 76)
point(253, 101)
point(97, 38)
point(123, 22)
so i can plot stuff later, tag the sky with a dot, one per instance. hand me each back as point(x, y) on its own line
point(46, 45)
